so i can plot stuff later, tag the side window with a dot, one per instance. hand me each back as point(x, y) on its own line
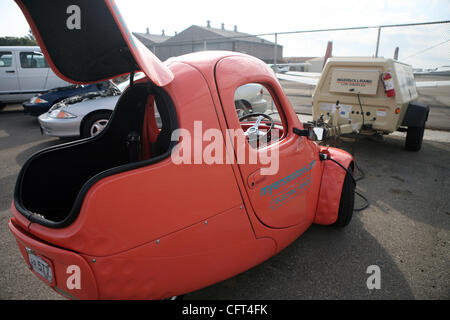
point(5, 59)
point(260, 116)
point(34, 59)
point(158, 118)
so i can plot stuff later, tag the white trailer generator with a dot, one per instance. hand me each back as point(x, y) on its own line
point(369, 96)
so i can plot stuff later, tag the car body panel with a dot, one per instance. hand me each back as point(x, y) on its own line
point(193, 215)
point(61, 260)
point(155, 229)
point(80, 29)
point(331, 185)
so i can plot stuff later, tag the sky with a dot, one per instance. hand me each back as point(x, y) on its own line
point(256, 17)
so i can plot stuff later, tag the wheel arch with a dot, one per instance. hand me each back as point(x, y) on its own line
point(416, 115)
point(333, 177)
point(92, 113)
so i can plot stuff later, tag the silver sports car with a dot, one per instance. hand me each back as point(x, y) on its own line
point(84, 115)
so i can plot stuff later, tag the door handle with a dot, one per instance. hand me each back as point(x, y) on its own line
point(255, 178)
point(10, 71)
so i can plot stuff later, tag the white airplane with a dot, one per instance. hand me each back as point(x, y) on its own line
point(285, 67)
point(312, 78)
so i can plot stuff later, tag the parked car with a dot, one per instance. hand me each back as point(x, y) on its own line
point(42, 102)
point(24, 72)
point(249, 99)
point(88, 114)
point(83, 115)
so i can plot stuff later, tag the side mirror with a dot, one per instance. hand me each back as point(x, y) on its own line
point(311, 132)
point(317, 134)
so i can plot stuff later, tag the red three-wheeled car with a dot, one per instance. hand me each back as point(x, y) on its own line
point(118, 216)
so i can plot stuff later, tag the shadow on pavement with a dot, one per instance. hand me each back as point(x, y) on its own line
point(324, 263)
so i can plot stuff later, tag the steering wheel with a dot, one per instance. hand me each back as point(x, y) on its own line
point(253, 132)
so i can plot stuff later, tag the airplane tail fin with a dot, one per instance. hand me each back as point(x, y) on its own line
point(328, 53)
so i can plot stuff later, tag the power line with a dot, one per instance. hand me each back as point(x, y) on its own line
point(168, 43)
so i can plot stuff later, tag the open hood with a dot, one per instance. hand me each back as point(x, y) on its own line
point(87, 41)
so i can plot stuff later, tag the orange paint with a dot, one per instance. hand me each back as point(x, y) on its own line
point(165, 229)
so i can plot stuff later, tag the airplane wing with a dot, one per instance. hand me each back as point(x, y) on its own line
point(304, 74)
point(432, 84)
point(291, 64)
point(310, 80)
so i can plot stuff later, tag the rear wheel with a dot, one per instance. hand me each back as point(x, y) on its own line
point(414, 138)
point(95, 124)
point(347, 202)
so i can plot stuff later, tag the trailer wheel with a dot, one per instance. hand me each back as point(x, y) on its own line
point(347, 203)
point(414, 138)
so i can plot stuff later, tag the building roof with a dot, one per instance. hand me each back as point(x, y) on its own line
point(150, 39)
point(198, 33)
point(240, 35)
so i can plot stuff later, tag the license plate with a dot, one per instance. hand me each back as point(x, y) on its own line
point(41, 267)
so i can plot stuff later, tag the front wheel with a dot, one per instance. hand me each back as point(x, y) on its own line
point(347, 202)
point(95, 124)
point(414, 138)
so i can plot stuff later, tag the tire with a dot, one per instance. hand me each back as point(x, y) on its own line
point(414, 138)
point(94, 124)
point(347, 203)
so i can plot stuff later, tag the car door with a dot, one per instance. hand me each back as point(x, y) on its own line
point(282, 177)
point(32, 71)
point(8, 73)
point(53, 81)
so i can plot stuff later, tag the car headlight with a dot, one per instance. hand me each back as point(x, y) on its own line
point(61, 114)
point(38, 100)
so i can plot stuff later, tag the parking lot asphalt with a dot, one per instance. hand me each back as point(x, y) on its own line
point(405, 231)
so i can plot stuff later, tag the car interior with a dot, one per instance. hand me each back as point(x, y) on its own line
point(270, 124)
point(53, 183)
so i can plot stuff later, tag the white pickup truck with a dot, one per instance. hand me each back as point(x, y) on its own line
point(24, 73)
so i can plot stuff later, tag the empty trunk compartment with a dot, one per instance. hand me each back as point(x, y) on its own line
point(52, 184)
